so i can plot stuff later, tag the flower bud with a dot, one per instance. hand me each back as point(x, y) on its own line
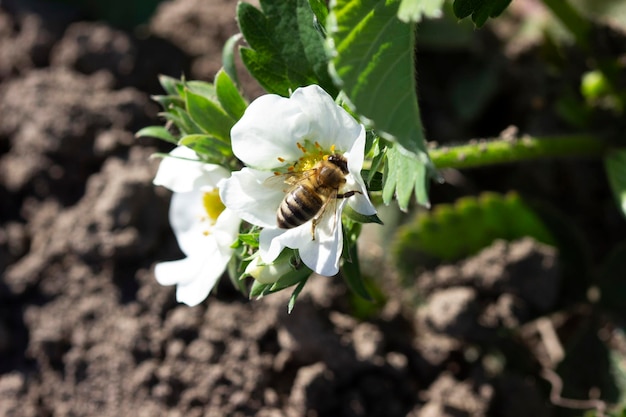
point(268, 273)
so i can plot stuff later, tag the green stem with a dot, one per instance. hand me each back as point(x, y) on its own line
point(507, 150)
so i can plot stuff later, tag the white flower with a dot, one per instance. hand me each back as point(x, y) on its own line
point(278, 134)
point(204, 228)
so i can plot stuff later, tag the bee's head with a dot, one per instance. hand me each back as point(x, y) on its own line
point(340, 162)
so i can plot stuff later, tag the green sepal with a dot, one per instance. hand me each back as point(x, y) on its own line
point(249, 239)
point(202, 88)
point(167, 102)
point(209, 116)
point(291, 278)
point(182, 120)
point(228, 57)
point(360, 218)
point(228, 95)
point(209, 148)
point(295, 294)
point(158, 132)
point(170, 84)
point(233, 268)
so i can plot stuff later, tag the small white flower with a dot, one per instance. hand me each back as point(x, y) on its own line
point(277, 134)
point(204, 228)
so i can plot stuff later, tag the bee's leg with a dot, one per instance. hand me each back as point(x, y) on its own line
point(313, 226)
point(348, 194)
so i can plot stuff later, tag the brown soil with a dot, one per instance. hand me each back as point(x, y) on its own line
point(85, 330)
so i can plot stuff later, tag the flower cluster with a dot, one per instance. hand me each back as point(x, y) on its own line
point(302, 160)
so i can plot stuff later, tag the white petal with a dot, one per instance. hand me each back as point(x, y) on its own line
point(272, 126)
point(194, 292)
point(183, 172)
point(188, 274)
point(197, 274)
point(270, 244)
point(189, 221)
point(266, 132)
point(226, 229)
point(321, 255)
point(359, 202)
point(194, 276)
point(255, 200)
point(328, 123)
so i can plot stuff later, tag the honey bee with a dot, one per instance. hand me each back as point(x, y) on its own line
point(312, 191)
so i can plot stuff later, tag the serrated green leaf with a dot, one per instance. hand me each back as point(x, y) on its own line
point(373, 62)
point(451, 232)
point(228, 95)
point(615, 165)
point(286, 50)
point(403, 174)
point(480, 10)
point(211, 118)
point(416, 10)
point(228, 57)
point(158, 132)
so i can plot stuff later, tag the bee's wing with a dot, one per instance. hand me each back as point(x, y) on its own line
point(290, 178)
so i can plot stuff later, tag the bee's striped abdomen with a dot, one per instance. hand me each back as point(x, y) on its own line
point(298, 207)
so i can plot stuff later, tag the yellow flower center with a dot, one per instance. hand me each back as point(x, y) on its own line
point(313, 153)
point(212, 204)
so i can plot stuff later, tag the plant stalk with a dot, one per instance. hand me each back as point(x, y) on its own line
point(508, 150)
